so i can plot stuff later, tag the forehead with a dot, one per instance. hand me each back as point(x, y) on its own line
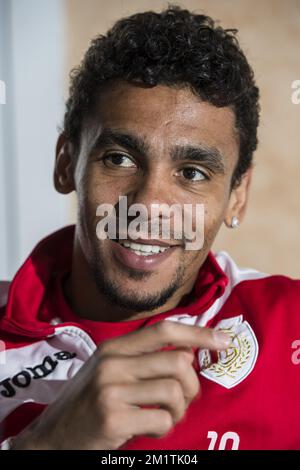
point(165, 115)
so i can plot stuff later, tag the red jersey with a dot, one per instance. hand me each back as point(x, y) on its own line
point(249, 397)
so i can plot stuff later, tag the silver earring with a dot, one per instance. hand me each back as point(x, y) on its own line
point(234, 222)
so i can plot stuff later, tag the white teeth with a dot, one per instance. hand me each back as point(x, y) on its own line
point(140, 253)
point(145, 248)
point(142, 249)
point(136, 246)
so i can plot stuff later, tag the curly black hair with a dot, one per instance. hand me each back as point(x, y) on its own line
point(176, 48)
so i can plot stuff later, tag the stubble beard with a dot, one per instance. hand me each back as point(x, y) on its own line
point(130, 299)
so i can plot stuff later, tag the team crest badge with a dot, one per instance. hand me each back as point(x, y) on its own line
point(232, 366)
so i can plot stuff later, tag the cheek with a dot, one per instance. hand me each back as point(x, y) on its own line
point(194, 258)
point(209, 214)
point(213, 221)
point(95, 190)
point(215, 208)
point(206, 226)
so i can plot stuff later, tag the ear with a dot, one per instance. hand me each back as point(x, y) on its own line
point(238, 199)
point(63, 171)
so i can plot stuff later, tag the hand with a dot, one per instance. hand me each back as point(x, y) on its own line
point(102, 406)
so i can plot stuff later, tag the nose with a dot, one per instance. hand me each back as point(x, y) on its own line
point(150, 199)
point(153, 188)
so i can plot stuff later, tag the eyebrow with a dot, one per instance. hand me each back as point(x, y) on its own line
point(200, 153)
point(123, 139)
point(209, 156)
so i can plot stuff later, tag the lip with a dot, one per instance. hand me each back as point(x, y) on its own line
point(147, 263)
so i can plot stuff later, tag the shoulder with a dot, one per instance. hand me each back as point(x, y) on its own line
point(257, 285)
point(269, 303)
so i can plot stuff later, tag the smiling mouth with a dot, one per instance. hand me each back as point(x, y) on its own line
point(143, 249)
point(142, 254)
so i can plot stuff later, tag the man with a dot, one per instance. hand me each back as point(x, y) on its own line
point(123, 343)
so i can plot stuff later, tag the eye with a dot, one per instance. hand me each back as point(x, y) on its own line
point(118, 160)
point(193, 174)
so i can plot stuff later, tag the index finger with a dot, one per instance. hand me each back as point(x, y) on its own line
point(166, 333)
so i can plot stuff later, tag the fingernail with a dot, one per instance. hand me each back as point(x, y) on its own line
point(222, 339)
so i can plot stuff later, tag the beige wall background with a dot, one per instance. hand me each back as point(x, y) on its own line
point(269, 32)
